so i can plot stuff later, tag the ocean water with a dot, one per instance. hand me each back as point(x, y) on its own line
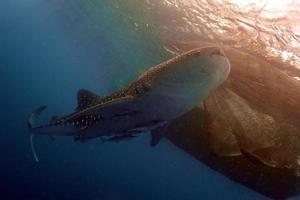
point(50, 50)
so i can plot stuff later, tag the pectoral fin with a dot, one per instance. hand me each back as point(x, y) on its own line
point(157, 134)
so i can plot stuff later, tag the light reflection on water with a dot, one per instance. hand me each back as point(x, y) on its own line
point(265, 28)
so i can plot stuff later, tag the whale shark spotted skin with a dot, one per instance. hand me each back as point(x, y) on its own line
point(160, 95)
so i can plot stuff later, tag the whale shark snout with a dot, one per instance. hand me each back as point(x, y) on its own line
point(192, 76)
point(218, 65)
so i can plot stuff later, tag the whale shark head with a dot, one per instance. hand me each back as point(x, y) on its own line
point(191, 76)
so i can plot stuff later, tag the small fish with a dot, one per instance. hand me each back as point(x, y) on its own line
point(156, 98)
point(119, 138)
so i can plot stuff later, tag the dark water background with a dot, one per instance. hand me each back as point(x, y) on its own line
point(47, 52)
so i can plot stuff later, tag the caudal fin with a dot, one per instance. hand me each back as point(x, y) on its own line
point(31, 124)
point(32, 148)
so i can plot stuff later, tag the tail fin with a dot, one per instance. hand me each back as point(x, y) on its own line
point(31, 123)
point(32, 148)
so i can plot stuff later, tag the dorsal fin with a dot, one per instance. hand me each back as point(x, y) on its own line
point(54, 118)
point(86, 98)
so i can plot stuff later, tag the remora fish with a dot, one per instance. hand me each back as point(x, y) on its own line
point(118, 138)
point(157, 97)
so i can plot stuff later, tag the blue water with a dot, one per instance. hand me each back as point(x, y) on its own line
point(47, 52)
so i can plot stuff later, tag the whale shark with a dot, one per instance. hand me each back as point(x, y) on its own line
point(149, 104)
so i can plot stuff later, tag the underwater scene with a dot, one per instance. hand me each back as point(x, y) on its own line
point(150, 99)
